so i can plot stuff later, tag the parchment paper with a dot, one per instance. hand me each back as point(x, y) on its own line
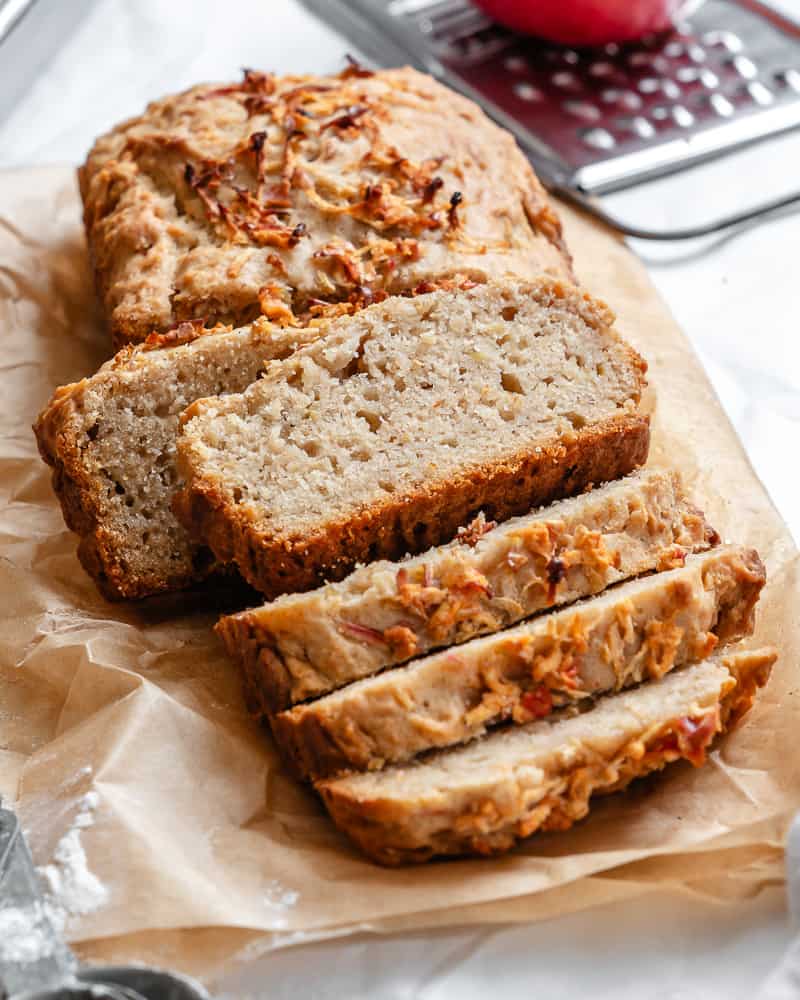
point(210, 853)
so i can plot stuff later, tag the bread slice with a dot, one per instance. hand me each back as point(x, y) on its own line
point(484, 797)
point(272, 194)
point(406, 419)
point(304, 645)
point(110, 439)
point(636, 631)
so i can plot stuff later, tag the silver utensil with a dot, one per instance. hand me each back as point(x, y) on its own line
point(35, 962)
point(599, 120)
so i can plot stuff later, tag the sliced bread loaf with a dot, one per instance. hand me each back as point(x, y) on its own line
point(636, 631)
point(484, 797)
point(110, 439)
point(406, 419)
point(303, 645)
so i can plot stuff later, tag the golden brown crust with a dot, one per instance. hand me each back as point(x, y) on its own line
point(106, 550)
point(557, 813)
point(61, 441)
point(385, 613)
point(489, 813)
point(58, 437)
point(278, 550)
point(273, 195)
point(636, 632)
point(274, 566)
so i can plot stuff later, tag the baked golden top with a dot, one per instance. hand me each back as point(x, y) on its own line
point(275, 195)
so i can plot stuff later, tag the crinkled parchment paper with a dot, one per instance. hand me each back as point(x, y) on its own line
point(207, 849)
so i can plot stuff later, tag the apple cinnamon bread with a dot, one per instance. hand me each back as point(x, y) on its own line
point(396, 427)
point(304, 645)
point(275, 194)
point(110, 439)
point(636, 631)
point(484, 797)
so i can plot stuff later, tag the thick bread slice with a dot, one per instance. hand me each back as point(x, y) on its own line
point(304, 645)
point(406, 419)
point(483, 798)
point(110, 439)
point(269, 195)
point(637, 631)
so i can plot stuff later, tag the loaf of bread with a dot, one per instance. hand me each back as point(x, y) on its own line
point(637, 631)
point(303, 645)
point(484, 797)
point(395, 428)
point(110, 439)
point(269, 196)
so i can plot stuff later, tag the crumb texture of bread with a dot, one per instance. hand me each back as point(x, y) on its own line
point(636, 632)
point(110, 439)
point(404, 421)
point(484, 797)
point(304, 645)
point(275, 194)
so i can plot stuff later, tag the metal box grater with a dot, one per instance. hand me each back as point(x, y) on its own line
point(598, 120)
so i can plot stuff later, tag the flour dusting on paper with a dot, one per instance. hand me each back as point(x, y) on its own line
point(73, 888)
point(278, 899)
point(25, 934)
point(31, 932)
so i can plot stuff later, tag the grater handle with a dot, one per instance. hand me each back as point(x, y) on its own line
point(766, 209)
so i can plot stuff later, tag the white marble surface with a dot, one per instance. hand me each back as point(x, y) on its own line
point(738, 298)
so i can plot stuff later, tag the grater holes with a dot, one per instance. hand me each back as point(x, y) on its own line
point(682, 116)
point(584, 110)
point(527, 92)
point(600, 70)
point(694, 74)
point(649, 85)
point(515, 64)
point(637, 125)
point(788, 78)
point(598, 138)
point(745, 67)
point(627, 99)
point(721, 105)
point(589, 104)
point(759, 93)
point(723, 39)
point(566, 80)
point(640, 60)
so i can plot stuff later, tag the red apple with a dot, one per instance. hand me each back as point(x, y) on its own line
point(584, 22)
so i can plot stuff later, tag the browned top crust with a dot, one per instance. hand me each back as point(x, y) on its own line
point(272, 195)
